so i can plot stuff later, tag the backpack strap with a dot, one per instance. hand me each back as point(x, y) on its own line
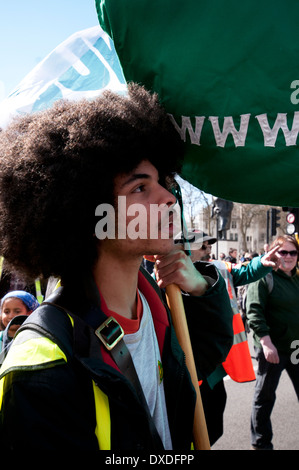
point(111, 335)
point(54, 326)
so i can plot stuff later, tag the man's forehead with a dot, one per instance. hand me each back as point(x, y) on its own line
point(145, 170)
point(128, 179)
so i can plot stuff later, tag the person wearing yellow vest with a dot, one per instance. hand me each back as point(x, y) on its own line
point(238, 364)
point(98, 364)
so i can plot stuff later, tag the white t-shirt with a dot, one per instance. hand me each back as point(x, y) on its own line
point(144, 349)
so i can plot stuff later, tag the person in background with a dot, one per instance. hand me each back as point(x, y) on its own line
point(241, 291)
point(14, 304)
point(238, 364)
point(201, 244)
point(232, 255)
point(273, 315)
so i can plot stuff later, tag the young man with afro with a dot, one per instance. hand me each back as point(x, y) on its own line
point(65, 383)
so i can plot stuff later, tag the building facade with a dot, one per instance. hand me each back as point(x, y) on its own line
point(249, 228)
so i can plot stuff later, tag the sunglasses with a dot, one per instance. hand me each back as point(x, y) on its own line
point(285, 253)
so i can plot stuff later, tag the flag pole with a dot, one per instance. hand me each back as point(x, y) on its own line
point(175, 303)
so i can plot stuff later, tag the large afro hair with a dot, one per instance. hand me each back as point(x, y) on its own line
point(58, 165)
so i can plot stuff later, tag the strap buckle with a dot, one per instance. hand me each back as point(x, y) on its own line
point(110, 333)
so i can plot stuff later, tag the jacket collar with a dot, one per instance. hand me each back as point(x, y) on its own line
point(286, 276)
point(83, 299)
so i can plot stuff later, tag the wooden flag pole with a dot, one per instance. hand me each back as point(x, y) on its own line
point(175, 303)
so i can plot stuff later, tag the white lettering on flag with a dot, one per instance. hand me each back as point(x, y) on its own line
point(186, 125)
point(229, 128)
point(239, 137)
point(270, 135)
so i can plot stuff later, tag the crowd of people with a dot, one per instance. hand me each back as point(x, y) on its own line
point(269, 308)
point(98, 364)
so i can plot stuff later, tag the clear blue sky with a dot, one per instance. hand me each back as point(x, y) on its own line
point(31, 29)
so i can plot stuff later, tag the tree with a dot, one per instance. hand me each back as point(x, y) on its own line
point(248, 214)
point(194, 201)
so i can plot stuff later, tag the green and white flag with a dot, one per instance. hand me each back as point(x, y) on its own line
point(228, 74)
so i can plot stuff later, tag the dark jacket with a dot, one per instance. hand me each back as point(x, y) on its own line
point(52, 407)
point(274, 310)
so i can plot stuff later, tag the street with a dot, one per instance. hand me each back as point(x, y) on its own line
point(285, 415)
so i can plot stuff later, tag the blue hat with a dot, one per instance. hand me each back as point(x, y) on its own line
point(28, 299)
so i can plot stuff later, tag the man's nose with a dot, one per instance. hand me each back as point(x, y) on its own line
point(166, 197)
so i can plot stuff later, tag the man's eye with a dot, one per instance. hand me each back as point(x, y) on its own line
point(139, 189)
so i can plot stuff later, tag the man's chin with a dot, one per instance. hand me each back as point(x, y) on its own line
point(162, 248)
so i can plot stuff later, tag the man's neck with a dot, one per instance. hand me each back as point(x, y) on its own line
point(117, 281)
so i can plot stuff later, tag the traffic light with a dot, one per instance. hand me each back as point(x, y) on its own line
point(274, 218)
point(292, 219)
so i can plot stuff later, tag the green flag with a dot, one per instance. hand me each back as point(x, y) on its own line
point(227, 72)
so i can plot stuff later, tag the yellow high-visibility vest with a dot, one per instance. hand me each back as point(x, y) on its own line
point(32, 351)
